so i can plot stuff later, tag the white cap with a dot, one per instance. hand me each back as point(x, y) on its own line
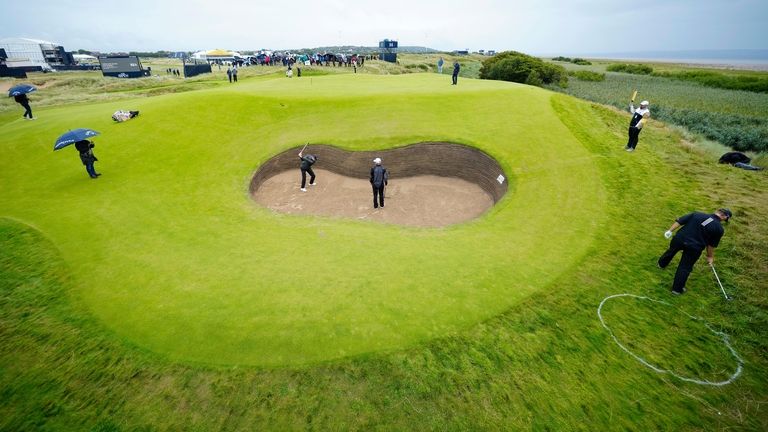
point(377, 161)
point(644, 103)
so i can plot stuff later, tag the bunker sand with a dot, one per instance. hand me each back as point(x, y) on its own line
point(431, 184)
point(419, 201)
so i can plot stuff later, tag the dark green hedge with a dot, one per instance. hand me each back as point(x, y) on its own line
point(587, 75)
point(739, 132)
point(749, 83)
point(637, 69)
point(518, 67)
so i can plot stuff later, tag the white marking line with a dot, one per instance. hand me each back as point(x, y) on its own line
point(659, 370)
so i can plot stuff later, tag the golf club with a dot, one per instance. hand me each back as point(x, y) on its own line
point(719, 283)
point(303, 148)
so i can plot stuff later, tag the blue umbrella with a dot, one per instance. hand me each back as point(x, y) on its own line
point(74, 136)
point(21, 89)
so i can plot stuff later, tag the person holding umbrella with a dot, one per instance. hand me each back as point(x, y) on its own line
point(85, 147)
point(79, 137)
point(19, 94)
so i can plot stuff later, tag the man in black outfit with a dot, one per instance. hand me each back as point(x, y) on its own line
point(85, 148)
point(23, 100)
point(455, 76)
point(379, 179)
point(698, 231)
point(306, 167)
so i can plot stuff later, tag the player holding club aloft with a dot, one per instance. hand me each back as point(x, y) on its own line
point(639, 117)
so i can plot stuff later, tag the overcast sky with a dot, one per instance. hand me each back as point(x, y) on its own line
point(532, 26)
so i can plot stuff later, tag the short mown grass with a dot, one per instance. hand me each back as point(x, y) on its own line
point(114, 293)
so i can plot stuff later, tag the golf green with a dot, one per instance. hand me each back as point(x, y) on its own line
point(169, 251)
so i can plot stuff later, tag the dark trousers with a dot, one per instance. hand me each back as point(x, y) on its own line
point(634, 134)
point(689, 258)
point(234, 77)
point(91, 170)
point(304, 177)
point(378, 191)
point(455, 78)
point(28, 109)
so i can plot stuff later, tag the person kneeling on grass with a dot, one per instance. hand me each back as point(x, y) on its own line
point(698, 231)
point(639, 117)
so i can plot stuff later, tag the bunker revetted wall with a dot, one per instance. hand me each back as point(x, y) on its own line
point(426, 158)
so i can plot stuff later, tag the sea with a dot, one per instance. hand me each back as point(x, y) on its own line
point(746, 59)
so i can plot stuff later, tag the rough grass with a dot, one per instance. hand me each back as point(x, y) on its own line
point(733, 117)
point(543, 363)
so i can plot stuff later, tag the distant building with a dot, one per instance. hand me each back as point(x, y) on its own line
point(32, 53)
point(7, 72)
point(462, 52)
point(388, 50)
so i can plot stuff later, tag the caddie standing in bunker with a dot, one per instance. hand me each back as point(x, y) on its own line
point(306, 167)
point(379, 179)
point(639, 117)
point(698, 231)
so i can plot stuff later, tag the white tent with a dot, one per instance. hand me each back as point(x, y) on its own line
point(85, 59)
point(216, 54)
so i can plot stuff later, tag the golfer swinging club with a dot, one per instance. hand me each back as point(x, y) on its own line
point(639, 117)
point(698, 231)
point(306, 167)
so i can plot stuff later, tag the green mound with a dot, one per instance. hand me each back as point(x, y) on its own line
point(168, 251)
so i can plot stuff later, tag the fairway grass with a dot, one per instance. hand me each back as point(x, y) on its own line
point(161, 297)
point(170, 253)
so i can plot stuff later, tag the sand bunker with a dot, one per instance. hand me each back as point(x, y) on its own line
point(431, 184)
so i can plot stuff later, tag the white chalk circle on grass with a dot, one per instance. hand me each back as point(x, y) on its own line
point(660, 370)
